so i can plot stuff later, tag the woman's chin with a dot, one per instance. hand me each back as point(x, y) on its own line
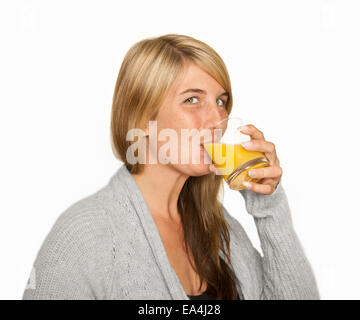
point(200, 169)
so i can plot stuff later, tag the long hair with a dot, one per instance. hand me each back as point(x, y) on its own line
point(148, 70)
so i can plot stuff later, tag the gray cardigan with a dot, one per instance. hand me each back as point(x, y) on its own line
point(107, 246)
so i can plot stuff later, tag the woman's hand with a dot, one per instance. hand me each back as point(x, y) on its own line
point(270, 176)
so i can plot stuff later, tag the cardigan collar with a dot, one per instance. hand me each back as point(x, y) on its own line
point(151, 231)
point(127, 183)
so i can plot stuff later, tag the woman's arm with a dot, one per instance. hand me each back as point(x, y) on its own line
point(287, 273)
point(284, 268)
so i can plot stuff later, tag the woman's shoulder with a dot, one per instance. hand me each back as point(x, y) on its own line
point(93, 217)
point(77, 253)
point(82, 226)
point(82, 216)
point(93, 212)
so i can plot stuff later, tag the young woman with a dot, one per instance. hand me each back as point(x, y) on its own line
point(158, 230)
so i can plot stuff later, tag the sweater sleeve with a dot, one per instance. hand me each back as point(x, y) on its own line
point(286, 272)
point(75, 260)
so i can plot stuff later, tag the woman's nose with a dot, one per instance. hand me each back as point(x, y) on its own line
point(214, 114)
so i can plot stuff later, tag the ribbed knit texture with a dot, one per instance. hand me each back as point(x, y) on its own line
point(107, 246)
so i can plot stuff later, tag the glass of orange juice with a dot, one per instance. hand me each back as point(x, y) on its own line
point(228, 155)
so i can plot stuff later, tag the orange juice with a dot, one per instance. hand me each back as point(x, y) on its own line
point(234, 162)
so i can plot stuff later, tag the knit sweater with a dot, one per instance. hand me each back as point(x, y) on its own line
point(107, 246)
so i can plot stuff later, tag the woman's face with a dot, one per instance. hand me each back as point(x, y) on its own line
point(196, 101)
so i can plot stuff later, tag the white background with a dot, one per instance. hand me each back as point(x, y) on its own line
point(295, 72)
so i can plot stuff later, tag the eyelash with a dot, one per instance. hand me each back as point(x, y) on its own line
point(224, 102)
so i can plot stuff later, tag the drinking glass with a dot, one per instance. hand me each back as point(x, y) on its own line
point(230, 157)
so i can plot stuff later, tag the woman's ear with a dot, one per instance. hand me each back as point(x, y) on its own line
point(150, 126)
point(146, 130)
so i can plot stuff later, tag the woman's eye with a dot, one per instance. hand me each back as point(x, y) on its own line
point(222, 101)
point(191, 99)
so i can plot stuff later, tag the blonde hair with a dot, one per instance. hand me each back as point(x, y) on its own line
point(149, 70)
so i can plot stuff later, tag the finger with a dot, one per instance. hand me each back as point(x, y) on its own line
point(252, 131)
point(259, 145)
point(213, 168)
point(266, 172)
point(267, 147)
point(260, 188)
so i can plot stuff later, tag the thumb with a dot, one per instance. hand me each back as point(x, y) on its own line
point(212, 168)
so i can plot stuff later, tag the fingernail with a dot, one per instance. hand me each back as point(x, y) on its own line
point(246, 144)
point(247, 184)
point(252, 173)
point(243, 128)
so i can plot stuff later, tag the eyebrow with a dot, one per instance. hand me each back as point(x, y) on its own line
point(202, 92)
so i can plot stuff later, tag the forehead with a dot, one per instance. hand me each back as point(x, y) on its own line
point(193, 76)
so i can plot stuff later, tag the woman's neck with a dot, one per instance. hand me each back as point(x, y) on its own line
point(161, 186)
